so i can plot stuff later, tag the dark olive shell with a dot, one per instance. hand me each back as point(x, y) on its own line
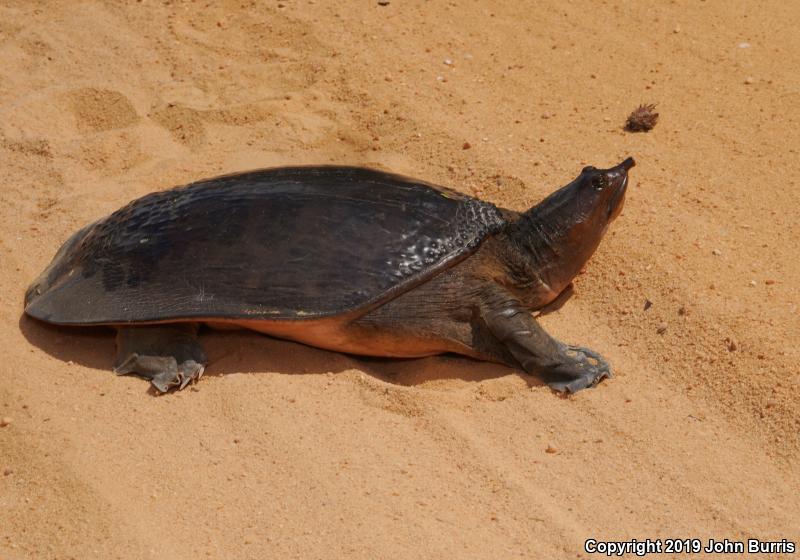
point(286, 243)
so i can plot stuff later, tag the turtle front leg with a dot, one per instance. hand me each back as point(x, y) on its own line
point(167, 355)
point(562, 366)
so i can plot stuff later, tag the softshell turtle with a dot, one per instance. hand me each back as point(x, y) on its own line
point(343, 258)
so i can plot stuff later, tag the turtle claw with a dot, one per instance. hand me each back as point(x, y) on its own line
point(189, 371)
point(179, 376)
point(586, 369)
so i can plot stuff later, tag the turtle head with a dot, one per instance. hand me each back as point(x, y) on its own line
point(599, 195)
point(561, 233)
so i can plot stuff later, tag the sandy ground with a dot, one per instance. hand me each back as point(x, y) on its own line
point(284, 451)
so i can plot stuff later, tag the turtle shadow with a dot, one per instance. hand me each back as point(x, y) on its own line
point(251, 353)
point(91, 347)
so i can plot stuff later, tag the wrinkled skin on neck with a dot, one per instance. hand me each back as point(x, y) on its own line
point(553, 240)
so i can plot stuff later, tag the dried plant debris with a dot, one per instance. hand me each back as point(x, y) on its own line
point(644, 118)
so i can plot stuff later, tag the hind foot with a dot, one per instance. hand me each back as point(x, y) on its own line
point(169, 356)
point(164, 372)
point(585, 368)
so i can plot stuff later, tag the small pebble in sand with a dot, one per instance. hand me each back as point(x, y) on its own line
point(744, 45)
point(662, 328)
point(749, 80)
point(466, 146)
point(682, 310)
point(7, 471)
point(448, 61)
point(647, 304)
point(752, 283)
point(550, 449)
point(642, 119)
point(769, 282)
point(5, 421)
point(716, 252)
point(730, 344)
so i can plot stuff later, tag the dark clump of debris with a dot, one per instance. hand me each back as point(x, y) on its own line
point(644, 118)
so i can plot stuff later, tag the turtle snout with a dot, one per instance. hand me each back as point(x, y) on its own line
point(618, 179)
point(628, 163)
point(619, 173)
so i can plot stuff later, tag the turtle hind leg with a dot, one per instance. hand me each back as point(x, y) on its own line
point(168, 355)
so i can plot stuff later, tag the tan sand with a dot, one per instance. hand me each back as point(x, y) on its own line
point(284, 451)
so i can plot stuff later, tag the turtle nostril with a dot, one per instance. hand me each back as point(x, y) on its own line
point(628, 163)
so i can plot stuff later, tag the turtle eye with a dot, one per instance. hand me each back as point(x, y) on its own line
point(599, 182)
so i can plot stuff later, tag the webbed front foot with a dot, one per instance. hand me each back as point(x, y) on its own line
point(168, 356)
point(584, 368)
point(564, 367)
